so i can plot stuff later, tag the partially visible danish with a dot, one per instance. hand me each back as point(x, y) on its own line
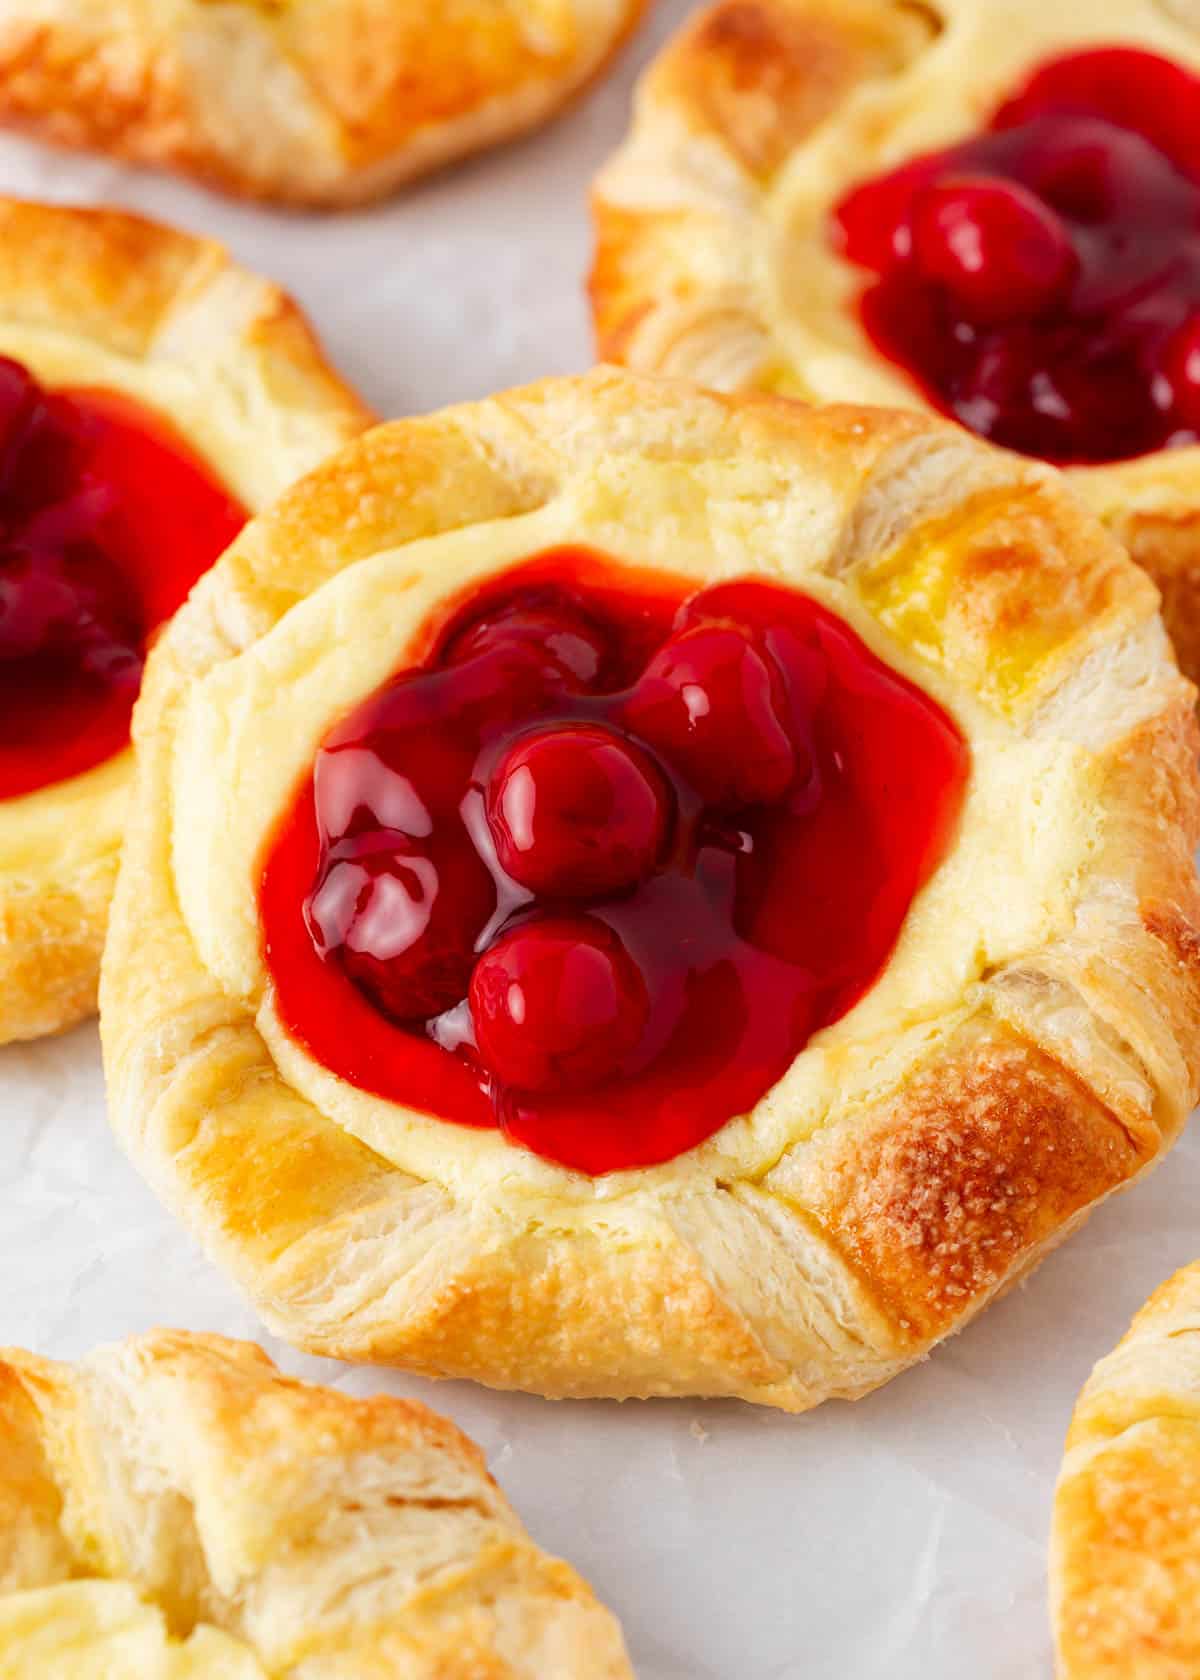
point(636, 892)
point(308, 102)
point(987, 210)
point(1125, 1551)
point(173, 1508)
point(152, 396)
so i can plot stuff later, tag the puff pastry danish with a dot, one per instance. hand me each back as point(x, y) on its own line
point(173, 1508)
point(1125, 1552)
point(192, 391)
point(770, 223)
point(878, 593)
point(309, 102)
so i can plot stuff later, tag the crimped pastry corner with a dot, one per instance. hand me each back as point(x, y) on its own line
point(1033, 1045)
point(173, 1508)
point(1125, 1549)
point(101, 298)
point(307, 102)
point(713, 260)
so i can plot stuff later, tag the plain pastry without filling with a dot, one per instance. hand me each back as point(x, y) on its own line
point(1125, 1551)
point(1028, 1046)
point(311, 102)
point(716, 251)
point(173, 1508)
point(97, 300)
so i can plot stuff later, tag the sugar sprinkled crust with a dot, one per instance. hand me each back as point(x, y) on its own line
point(99, 298)
point(310, 102)
point(1125, 1551)
point(713, 260)
point(1032, 1046)
point(173, 1508)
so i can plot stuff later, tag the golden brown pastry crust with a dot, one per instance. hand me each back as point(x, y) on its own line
point(92, 297)
point(180, 1487)
point(1034, 1044)
point(1125, 1550)
point(712, 261)
point(310, 102)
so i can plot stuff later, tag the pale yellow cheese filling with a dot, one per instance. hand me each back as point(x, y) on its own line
point(248, 732)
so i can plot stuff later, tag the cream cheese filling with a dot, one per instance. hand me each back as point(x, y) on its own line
point(248, 731)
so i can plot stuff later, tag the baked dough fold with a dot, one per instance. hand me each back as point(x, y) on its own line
point(307, 102)
point(173, 1508)
point(1125, 1551)
point(1033, 1044)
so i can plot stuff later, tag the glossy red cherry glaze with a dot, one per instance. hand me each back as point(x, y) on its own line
point(106, 521)
point(597, 867)
point(1041, 281)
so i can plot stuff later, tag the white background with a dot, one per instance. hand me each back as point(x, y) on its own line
point(899, 1539)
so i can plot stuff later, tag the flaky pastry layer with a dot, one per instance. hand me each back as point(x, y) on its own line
point(1032, 1045)
point(312, 102)
point(103, 299)
point(173, 1508)
point(713, 258)
point(1125, 1551)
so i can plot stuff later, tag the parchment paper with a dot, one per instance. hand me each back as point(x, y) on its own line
point(899, 1539)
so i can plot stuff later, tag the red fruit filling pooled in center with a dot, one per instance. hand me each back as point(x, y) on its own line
point(107, 519)
point(596, 869)
point(1041, 281)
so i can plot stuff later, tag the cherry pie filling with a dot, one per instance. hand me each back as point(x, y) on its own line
point(1041, 281)
point(596, 868)
point(106, 520)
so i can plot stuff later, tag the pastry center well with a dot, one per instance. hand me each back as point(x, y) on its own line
point(597, 868)
point(1041, 281)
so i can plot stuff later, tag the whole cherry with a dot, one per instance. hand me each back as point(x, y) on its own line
point(68, 601)
point(1092, 172)
point(577, 811)
point(403, 918)
point(1135, 90)
point(557, 1004)
point(543, 624)
point(873, 225)
point(1001, 254)
point(712, 702)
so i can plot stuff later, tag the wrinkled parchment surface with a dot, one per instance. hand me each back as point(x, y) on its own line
point(900, 1539)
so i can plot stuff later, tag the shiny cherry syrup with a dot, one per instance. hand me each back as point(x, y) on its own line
point(106, 520)
point(597, 866)
point(1041, 281)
